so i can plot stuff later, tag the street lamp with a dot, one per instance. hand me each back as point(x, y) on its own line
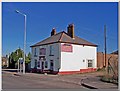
point(24, 38)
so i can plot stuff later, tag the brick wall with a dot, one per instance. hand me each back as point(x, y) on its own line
point(101, 59)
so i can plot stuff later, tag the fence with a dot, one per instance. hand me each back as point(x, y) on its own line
point(112, 68)
point(111, 63)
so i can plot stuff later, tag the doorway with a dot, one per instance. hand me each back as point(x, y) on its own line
point(51, 65)
point(42, 66)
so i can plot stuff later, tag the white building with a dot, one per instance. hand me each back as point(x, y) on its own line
point(64, 53)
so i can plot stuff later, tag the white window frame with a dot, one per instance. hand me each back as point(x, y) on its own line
point(90, 62)
point(51, 50)
point(35, 62)
point(38, 64)
point(45, 64)
point(35, 52)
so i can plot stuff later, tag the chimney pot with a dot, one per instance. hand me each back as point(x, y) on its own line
point(71, 30)
point(53, 32)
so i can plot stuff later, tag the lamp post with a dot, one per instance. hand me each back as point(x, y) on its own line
point(24, 37)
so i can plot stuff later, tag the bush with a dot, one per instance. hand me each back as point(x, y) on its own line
point(101, 69)
point(109, 79)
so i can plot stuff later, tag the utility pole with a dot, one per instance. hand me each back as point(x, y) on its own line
point(105, 44)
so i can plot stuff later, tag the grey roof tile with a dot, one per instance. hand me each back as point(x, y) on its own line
point(63, 37)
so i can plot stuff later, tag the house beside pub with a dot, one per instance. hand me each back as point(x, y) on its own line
point(64, 53)
point(5, 62)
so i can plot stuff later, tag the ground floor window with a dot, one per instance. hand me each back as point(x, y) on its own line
point(90, 63)
point(38, 63)
point(35, 64)
point(46, 64)
point(51, 65)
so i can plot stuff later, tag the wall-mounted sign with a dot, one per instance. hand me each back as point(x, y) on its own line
point(42, 51)
point(66, 48)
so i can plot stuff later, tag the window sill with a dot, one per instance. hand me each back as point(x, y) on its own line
point(51, 55)
point(90, 67)
point(35, 55)
point(42, 54)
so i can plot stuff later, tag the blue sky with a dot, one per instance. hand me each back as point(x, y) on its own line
point(88, 18)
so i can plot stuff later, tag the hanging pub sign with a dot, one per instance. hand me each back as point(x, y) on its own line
point(66, 48)
point(42, 58)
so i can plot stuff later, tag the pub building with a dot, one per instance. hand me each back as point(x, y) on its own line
point(63, 53)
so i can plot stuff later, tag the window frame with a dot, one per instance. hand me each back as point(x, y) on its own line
point(46, 64)
point(35, 52)
point(38, 64)
point(51, 50)
point(90, 63)
point(35, 66)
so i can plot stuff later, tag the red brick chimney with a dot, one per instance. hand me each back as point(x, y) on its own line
point(70, 30)
point(53, 32)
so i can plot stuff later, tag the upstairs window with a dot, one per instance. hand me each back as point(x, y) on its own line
point(35, 52)
point(51, 50)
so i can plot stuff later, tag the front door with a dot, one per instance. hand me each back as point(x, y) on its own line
point(42, 59)
point(42, 66)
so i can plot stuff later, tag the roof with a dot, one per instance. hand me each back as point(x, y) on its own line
point(63, 37)
point(115, 52)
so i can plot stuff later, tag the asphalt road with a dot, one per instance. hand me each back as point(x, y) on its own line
point(39, 81)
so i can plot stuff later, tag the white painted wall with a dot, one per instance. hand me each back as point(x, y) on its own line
point(33, 57)
point(55, 58)
point(73, 61)
point(67, 61)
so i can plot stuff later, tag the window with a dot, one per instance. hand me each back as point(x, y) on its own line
point(35, 53)
point(83, 60)
point(35, 64)
point(46, 64)
point(90, 64)
point(38, 63)
point(51, 64)
point(42, 51)
point(51, 50)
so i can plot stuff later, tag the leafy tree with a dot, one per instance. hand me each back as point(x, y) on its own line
point(28, 58)
point(14, 56)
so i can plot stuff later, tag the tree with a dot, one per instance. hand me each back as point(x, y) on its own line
point(28, 58)
point(14, 56)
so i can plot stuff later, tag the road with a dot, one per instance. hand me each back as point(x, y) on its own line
point(39, 81)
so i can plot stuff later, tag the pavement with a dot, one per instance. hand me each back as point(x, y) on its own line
point(96, 83)
point(35, 81)
point(87, 80)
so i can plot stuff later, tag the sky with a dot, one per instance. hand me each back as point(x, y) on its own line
point(89, 20)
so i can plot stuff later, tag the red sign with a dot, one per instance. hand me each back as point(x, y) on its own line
point(66, 48)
